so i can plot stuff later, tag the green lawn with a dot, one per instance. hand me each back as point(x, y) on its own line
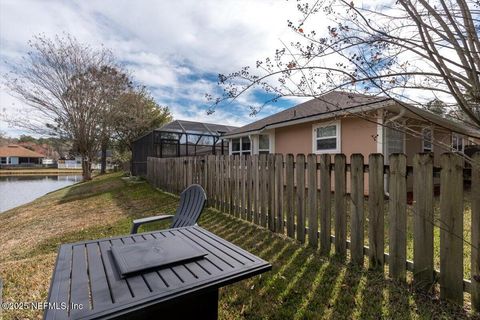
point(302, 284)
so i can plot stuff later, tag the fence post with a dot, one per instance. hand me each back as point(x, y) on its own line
point(289, 176)
point(398, 217)
point(423, 220)
point(325, 205)
point(300, 168)
point(376, 205)
point(340, 213)
point(312, 200)
point(279, 193)
point(475, 270)
point(357, 212)
point(451, 228)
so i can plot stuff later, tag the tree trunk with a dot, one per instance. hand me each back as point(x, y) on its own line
point(86, 166)
point(131, 158)
point(103, 167)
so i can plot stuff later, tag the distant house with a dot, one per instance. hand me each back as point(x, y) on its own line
point(341, 122)
point(75, 163)
point(15, 155)
point(43, 148)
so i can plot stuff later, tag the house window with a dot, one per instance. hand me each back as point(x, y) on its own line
point(457, 143)
point(3, 160)
point(326, 138)
point(241, 146)
point(263, 144)
point(427, 145)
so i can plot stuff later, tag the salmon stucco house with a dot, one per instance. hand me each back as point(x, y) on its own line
point(342, 122)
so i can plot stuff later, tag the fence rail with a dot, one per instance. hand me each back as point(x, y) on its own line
point(265, 190)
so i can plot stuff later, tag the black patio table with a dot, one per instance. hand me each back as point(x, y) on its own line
point(87, 285)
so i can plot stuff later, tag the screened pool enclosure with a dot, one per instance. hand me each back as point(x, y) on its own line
point(179, 138)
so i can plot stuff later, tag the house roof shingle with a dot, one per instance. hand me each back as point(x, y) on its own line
point(341, 103)
point(329, 103)
point(14, 150)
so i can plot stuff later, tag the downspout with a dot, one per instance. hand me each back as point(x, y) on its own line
point(251, 145)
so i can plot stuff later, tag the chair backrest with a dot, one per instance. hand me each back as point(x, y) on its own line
point(192, 202)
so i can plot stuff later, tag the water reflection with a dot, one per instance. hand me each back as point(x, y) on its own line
point(18, 190)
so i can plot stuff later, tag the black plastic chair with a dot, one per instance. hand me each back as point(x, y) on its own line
point(192, 202)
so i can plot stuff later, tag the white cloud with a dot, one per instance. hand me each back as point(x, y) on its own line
point(161, 42)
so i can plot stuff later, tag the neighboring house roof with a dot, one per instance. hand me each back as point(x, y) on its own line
point(194, 127)
point(43, 148)
point(14, 150)
point(339, 103)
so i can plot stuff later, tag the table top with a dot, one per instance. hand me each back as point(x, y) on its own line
point(86, 275)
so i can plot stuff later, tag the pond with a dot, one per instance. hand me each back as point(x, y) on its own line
point(18, 190)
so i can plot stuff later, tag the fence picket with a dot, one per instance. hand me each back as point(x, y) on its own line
point(231, 184)
point(475, 229)
point(356, 212)
point(376, 206)
point(300, 193)
point(423, 220)
point(263, 190)
point(271, 192)
point(221, 168)
point(248, 187)
point(340, 212)
point(279, 193)
point(398, 217)
point(238, 191)
point(451, 228)
point(312, 200)
point(325, 204)
point(289, 199)
point(243, 180)
point(255, 196)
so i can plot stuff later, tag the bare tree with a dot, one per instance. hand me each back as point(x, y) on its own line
point(63, 82)
point(115, 82)
point(401, 51)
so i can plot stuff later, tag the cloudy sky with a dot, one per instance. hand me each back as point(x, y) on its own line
point(176, 48)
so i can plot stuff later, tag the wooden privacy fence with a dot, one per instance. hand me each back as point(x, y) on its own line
point(265, 190)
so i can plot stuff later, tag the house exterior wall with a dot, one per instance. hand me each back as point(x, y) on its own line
point(357, 136)
point(445, 138)
point(413, 145)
